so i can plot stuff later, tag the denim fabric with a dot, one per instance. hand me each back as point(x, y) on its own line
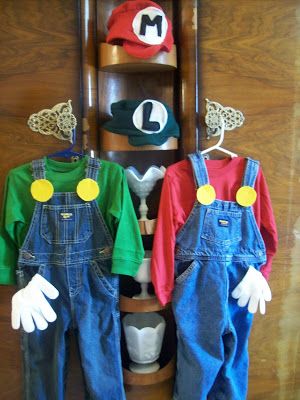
point(213, 252)
point(69, 244)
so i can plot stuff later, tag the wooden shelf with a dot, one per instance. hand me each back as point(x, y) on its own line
point(110, 141)
point(128, 304)
point(147, 227)
point(114, 58)
point(163, 374)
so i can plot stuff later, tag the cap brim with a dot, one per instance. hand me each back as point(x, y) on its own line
point(140, 51)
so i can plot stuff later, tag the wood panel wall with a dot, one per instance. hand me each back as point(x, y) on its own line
point(249, 52)
point(39, 67)
point(249, 59)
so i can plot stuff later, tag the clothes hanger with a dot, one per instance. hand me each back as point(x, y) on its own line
point(66, 153)
point(218, 145)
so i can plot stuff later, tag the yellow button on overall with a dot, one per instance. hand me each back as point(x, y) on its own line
point(246, 196)
point(206, 194)
point(88, 189)
point(41, 190)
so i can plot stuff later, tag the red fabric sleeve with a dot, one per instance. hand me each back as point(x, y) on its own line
point(162, 261)
point(265, 220)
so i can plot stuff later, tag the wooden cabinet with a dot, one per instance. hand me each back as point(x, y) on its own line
point(120, 76)
point(248, 58)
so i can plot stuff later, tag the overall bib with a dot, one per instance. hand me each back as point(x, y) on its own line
point(69, 244)
point(214, 249)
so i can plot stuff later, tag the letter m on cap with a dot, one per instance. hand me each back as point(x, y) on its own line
point(146, 21)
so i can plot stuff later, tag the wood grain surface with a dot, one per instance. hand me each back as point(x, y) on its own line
point(39, 67)
point(113, 58)
point(89, 74)
point(249, 59)
point(187, 91)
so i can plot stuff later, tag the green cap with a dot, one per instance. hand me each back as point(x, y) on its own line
point(143, 121)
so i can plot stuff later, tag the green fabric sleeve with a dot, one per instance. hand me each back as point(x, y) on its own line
point(8, 259)
point(8, 245)
point(128, 251)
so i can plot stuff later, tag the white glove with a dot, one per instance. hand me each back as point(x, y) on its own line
point(253, 290)
point(29, 305)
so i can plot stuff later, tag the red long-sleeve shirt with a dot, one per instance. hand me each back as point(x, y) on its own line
point(177, 199)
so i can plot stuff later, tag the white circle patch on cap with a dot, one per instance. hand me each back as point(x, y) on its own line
point(150, 25)
point(150, 117)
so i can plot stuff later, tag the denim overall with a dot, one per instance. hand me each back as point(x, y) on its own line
point(69, 244)
point(214, 249)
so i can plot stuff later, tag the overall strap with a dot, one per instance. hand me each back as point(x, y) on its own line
point(199, 169)
point(92, 169)
point(251, 172)
point(38, 169)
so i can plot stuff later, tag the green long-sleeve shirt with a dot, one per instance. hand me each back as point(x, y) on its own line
point(114, 202)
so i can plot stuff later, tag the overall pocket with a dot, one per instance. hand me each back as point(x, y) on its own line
point(222, 227)
point(108, 282)
point(66, 224)
point(184, 269)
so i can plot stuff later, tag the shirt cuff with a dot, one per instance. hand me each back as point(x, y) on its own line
point(266, 269)
point(7, 276)
point(164, 298)
point(125, 267)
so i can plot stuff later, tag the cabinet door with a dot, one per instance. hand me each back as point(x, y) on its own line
point(40, 67)
point(250, 61)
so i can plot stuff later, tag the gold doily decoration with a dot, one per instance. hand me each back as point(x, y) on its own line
point(59, 121)
point(215, 113)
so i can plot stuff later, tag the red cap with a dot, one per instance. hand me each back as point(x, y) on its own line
point(141, 27)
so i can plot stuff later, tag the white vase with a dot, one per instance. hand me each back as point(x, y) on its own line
point(143, 276)
point(142, 185)
point(144, 335)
